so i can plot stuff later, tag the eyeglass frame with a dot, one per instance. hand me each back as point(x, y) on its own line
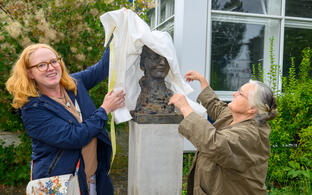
point(58, 59)
point(240, 93)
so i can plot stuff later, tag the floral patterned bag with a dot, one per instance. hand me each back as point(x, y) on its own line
point(58, 185)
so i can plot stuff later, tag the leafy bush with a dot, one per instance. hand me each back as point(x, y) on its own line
point(15, 162)
point(291, 149)
point(72, 28)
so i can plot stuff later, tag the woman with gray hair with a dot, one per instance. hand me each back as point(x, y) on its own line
point(232, 153)
point(263, 99)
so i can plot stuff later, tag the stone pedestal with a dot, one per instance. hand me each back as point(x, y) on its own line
point(155, 159)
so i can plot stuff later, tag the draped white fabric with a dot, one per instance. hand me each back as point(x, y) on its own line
point(130, 34)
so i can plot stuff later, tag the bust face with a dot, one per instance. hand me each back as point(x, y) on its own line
point(155, 66)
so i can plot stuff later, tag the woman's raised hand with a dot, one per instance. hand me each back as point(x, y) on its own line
point(113, 100)
point(193, 75)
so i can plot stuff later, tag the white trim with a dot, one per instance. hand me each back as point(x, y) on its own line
point(298, 18)
point(281, 51)
point(241, 19)
point(226, 96)
point(298, 24)
point(157, 12)
point(208, 43)
point(245, 14)
point(159, 25)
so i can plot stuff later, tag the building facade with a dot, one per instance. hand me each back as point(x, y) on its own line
point(224, 39)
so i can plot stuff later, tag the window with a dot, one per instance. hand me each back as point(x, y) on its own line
point(298, 31)
point(236, 46)
point(246, 6)
point(161, 17)
point(299, 8)
point(166, 9)
point(296, 40)
point(240, 34)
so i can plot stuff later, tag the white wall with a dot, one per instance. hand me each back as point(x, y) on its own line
point(190, 38)
point(190, 24)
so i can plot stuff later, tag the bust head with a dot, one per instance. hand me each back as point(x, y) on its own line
point(154, 96)
point(153, 65)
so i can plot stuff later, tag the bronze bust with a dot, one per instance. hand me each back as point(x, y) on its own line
point(152, 103)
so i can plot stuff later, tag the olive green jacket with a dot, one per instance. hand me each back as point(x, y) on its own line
point(231, 159)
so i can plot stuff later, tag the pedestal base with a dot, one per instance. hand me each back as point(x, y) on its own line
point(172, 118)
point(155, 159)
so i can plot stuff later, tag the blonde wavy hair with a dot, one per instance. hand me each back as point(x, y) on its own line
point(22, 87)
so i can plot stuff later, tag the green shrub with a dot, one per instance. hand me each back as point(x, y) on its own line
point(15, 162)
point(291, 130)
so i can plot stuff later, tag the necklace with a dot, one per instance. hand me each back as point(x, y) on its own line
point(67, 102)
point(64, 99)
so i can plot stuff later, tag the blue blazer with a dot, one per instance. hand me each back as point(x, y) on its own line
point(57, 137)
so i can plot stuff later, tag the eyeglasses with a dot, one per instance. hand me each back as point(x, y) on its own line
point(44, 66)
point(240, 93)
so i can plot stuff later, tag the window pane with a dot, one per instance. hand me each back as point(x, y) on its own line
point(235, 47)
point(295, 41)
point(299, 8)
point(254, 6)
point(272, 7)
point(166, 9)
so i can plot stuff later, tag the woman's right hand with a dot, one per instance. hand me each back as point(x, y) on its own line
point(179, 101)
point(113, 100)
point(193, 75)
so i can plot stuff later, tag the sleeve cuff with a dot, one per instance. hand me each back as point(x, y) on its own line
point(102, 113)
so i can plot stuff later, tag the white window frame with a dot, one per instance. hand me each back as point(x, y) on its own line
point(285, 21)
point(239, 19)
point(247, 18)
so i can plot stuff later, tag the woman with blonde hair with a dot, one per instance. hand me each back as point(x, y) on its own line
point(62, 121)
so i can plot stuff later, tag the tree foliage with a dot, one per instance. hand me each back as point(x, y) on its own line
point(73, 28)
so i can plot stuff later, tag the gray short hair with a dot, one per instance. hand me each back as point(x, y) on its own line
point(263, 99)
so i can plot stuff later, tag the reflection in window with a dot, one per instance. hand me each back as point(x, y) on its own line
point(295, 41)
point(251, 6)
point(235, 47)
point(299, 8)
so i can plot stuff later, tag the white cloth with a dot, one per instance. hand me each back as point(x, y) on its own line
point(131, 33)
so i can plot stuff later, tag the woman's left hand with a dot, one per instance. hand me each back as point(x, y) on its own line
point(181, 103)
